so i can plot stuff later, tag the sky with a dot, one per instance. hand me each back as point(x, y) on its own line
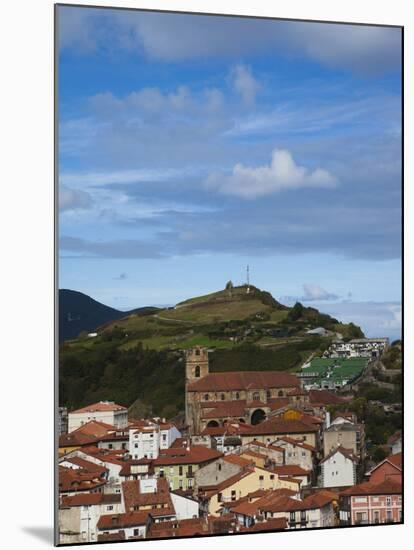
point(191, 146)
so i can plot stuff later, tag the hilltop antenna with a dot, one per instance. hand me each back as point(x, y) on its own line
point(248, 279)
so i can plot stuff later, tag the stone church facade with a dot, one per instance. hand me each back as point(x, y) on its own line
point(211, 399)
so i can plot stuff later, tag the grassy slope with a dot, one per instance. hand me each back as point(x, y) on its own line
point(127, 360)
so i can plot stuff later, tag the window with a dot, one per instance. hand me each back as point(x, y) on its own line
point(197, 371)
point(388, 501)
point(109, 508)
point(136, 445)
point(233, 495)
point(272, 476)
point(190, 483)
point(219, 467)
point(197, 352)
point(389, 516)
point(180, 470)
point(180, 484)
point(136, 532)
point(237, 395)
point(110, 446)
point(376, 516)
point(164, 437)
point(256, 396)
point(190, 470)
point(220, 497)
point(280, 393)
point(206, 397)
point(222, 397)
point(292, 516)
point(302, 515)
point(268, 394)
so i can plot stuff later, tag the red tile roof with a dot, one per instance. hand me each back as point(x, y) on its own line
point(231, 428)
point(271, 524)
point(196, 454)
point(387, 487)
point(101, 406)
point(89, 499)
point(290, 470)
point(275, 426)
point(133, 497)
point(128, 519)
point(296, 443)
point(325, 397)
point(86, 465)
point(78, 480)
point(238, 460)
point(222, 381)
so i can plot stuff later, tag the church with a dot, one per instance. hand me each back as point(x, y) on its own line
point(211, 399)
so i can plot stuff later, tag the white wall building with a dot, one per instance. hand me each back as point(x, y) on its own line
point(338, 468)
point(185, 506)
point(146, 438)
point(107, 412)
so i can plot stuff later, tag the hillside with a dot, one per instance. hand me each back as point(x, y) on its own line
point(139, 356)
point(79, 312)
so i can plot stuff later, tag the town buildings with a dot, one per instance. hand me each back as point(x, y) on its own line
point(258, 453)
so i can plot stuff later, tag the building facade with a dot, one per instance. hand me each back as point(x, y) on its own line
point(211, 399)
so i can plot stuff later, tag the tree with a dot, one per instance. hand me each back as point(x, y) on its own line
point(296, 312)
point(379, 454)
point(229, 285)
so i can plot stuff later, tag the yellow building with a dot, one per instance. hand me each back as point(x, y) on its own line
point(250, 479)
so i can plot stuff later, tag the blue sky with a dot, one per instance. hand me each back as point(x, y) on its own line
point(191, 146)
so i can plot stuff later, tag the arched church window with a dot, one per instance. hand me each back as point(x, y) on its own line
point(206, 397)
point(197, 371)
point(256, 396)
point(280, 394)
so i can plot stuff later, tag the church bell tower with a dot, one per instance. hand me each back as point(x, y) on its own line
point(196, 365)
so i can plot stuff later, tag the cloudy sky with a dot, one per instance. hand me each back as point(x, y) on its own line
point(191, 146)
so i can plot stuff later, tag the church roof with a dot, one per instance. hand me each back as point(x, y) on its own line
point(243, 380)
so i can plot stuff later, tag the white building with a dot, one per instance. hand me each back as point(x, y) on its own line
point(107, 412)
point(147, 437)
point(338, 468)
point(297, 452)
point(79, 515)
point(186, 507)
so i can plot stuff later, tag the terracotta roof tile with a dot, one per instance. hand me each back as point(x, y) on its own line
point(387, 487)
point(222, 381)
point(101, 406)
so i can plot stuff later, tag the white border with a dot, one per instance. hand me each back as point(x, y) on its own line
point(26, 219)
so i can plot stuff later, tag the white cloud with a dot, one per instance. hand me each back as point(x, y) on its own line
point(245, 84)
point(282, 174)
point(316, 292)
point(85, 179)
point(73, 199)
point(177, 37)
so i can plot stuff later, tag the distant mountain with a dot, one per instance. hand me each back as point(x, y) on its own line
point(79, 312)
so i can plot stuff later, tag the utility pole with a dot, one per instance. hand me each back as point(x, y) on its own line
point(248, 279)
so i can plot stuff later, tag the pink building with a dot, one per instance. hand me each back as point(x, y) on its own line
point(371, 503)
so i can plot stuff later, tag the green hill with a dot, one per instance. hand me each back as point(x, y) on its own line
point(139, 356)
